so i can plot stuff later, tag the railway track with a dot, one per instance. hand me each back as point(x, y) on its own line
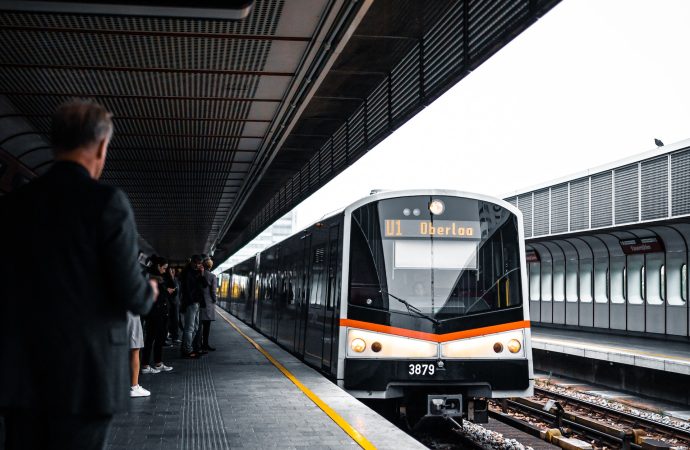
point(632, 421)
point(591, 423)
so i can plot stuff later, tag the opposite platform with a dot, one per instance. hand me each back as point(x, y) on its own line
point(667, 356)
point(236, 398)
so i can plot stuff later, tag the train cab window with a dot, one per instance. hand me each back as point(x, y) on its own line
point(364, 280)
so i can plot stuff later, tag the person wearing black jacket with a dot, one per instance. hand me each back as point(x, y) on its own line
point(157, 320)
point(64, 352)
point(174, 317)
point(193, 284)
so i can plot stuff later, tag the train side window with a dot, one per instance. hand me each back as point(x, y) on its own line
point(662, 282)
point(684, 282)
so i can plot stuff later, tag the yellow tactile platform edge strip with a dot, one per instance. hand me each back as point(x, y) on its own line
point(342, 423)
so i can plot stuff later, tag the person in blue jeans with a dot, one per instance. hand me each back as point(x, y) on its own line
point(193, 283)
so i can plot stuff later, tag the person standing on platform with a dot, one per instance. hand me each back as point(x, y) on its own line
point(208, 314)
point(64, 346)
point(157, 320)
point(193, 285)
point(136, 342)
point(174, 317)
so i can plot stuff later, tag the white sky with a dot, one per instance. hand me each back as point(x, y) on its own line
point(591, 82)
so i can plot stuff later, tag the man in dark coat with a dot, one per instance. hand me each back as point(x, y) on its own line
point(69, 274)
point(193, 284)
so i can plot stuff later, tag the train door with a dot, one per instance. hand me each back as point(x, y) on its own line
point(332, 291)
point(318, 283)
point(303, 299)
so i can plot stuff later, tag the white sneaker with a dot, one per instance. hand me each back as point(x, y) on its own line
point(149, 369)
point(138, 391)
point(163, 368)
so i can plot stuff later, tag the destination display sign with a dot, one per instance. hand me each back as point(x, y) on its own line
point(641, 245)
point(445, 229)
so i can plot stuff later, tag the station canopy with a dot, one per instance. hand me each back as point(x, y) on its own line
point(228, 114)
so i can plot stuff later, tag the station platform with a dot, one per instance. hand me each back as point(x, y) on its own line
point(652, 368)
point(239, 397)
point(667, 356)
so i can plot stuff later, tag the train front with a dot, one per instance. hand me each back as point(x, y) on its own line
point(433, 309)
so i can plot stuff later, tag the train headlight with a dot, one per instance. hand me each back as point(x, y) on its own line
point(358, 345)
point(503, 345)
point(372, 344)
point(437, 207)
point(514, 346)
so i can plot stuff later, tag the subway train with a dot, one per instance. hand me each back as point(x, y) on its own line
point(413, 298)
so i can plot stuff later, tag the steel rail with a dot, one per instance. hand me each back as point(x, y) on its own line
point(648, 424)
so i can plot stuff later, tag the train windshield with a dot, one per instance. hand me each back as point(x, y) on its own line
point(444, 256)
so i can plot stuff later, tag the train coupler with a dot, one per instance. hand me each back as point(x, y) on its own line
point(444, 405)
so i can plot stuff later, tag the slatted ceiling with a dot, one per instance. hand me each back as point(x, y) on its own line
point(262, 21)
point(654, 188)
point(602, 200)
point(559, 208)
point(74, 82)
point(151, 107)
point(541, 212)
point(680, 182)
point(182, 90)
point(406, 83)
point(179, 52)
point(443, 49)
point(488, 19)
point(525, 205)
point(579, 204)
point(626, 194)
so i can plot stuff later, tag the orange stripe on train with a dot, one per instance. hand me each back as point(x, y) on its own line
point(435, 337)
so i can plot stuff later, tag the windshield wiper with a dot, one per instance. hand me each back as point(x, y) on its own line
point(476, 302)
point(410, 308)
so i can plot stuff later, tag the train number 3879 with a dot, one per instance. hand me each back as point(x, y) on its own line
point(421, 369)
